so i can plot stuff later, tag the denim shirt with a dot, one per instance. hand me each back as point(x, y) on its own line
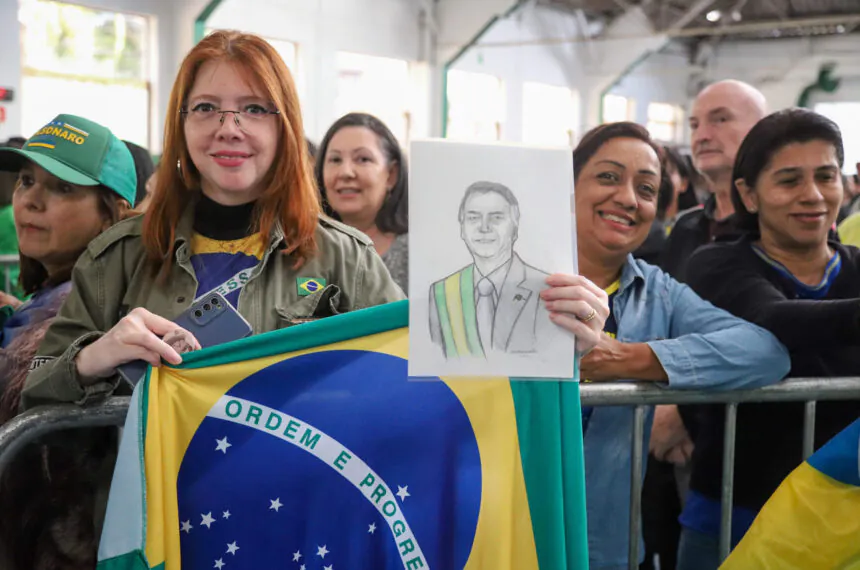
point(700, 347)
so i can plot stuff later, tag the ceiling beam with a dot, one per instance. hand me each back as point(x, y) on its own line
point(781, 14)
point(847, 20)
point(691, 14)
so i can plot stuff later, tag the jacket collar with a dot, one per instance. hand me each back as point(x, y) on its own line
point(185, 227)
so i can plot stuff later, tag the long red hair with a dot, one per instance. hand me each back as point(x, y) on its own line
point(290, 197)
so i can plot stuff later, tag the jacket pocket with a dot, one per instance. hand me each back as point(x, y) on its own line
point(323, 303)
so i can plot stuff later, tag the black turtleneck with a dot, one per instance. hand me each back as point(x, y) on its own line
point(222, 223)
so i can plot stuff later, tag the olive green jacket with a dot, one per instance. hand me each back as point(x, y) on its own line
point(112, 277)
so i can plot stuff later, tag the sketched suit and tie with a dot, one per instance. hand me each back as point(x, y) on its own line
point(492, 304)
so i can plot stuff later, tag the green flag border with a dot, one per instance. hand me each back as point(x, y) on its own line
point(330, 330)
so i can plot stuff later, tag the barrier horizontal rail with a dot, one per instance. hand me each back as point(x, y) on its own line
point(650, 393)
point(33, 424)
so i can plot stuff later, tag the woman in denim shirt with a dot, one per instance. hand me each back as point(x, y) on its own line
point(658, 330)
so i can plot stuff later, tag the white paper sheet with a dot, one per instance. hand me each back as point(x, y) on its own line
point(475, 277)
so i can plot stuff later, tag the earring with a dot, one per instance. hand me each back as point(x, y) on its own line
point(753, 210)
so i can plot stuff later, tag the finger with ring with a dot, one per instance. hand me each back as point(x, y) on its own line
point(590, 316)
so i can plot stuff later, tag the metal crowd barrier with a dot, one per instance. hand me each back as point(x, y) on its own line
point(641, 395)
point(35, 423)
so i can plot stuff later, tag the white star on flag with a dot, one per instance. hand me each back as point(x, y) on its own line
point(226, 514)
point(232, 548)
point(207, 520)
point(223, 444)
point(219, 564)
point(302, 567)
point(276, 504)
point(186, 527)
point(297, 555)
point(322, 551)
point(372, 528)
point(329, 567)
point(403, 492)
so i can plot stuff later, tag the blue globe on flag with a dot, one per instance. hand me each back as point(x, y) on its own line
point(349, 470)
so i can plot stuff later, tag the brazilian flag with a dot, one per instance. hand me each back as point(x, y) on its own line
point(310, 448)
point(812, 521)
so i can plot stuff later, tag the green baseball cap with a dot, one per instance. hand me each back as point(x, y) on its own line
point(78, 151)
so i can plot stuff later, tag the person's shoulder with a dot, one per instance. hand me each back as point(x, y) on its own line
point(736, 249)
point(849, 230)
point(689, 216)
point(130, 229)
point(331, 233)
point(533, 272)
point(718, 261)
point(849, 253)
point(401, 242)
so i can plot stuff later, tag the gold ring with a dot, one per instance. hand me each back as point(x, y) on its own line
point(590, 316)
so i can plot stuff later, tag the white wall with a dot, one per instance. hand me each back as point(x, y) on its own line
point(10, 66)
point(780, 68)
point(516, 50)
point(661, 78)
point(559, 65)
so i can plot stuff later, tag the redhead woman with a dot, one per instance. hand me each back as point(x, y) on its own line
point(658, 330)
point(234, 206)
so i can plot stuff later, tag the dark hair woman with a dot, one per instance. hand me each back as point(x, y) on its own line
point(786, 276)
point(362, 177)
point(75, 179)
point(665, 332)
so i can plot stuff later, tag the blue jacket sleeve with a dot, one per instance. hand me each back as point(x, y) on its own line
point(710, 348)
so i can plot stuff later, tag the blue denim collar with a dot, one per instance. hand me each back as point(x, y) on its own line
point(630, 273)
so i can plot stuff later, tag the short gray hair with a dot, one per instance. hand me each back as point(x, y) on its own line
point(484, 187)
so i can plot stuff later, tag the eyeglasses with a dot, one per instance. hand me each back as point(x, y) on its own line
point(208, 115)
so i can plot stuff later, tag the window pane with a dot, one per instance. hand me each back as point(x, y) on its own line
point(662, 112)
point(127, 117)
point(74, 40)
point(375, 85)
point(286, 49)
point(664, 132)
point(845, 115)
point(550, 114)
point(85, 62)
point(616, 108)
point(476, 106)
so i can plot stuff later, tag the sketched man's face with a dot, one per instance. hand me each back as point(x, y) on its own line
point(488, 227)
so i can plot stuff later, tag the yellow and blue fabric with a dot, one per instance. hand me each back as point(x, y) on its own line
point(225, 266)
point(811, 522)
point(610, 328)
point(311, 446)
point(455, 304)
point(849, 230)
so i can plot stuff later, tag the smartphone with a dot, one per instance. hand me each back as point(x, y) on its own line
point(211, 319)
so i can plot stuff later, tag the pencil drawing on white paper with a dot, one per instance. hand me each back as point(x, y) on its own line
point(492, 304)
point(488, 224)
